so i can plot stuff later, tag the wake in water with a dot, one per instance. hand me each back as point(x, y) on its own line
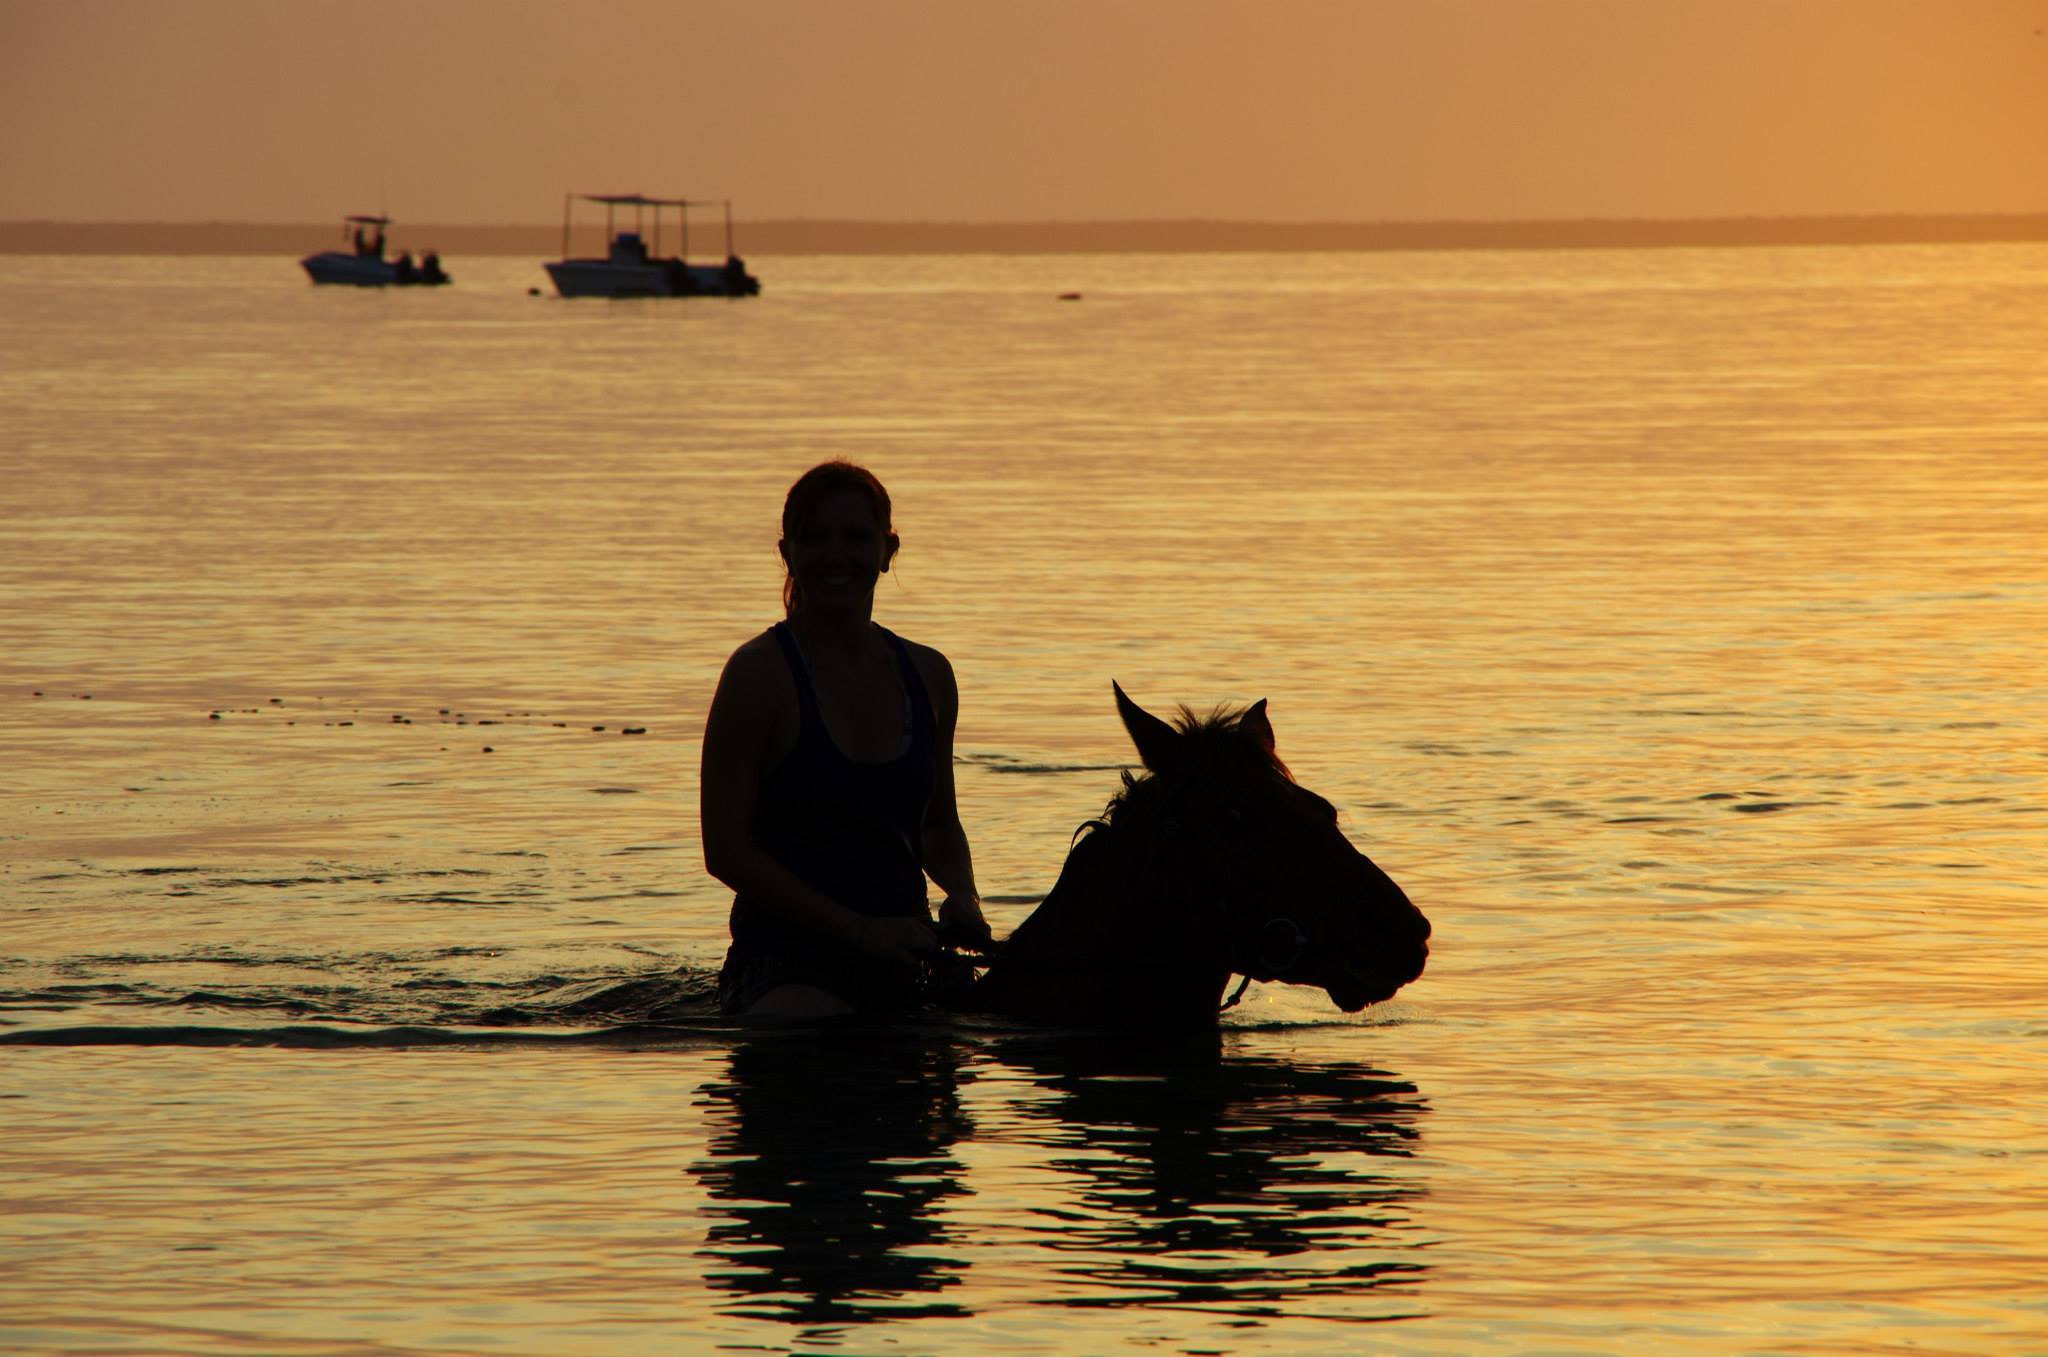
point(214, 998)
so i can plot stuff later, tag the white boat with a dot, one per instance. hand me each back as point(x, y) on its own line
point(632, 267)
point(363, 264)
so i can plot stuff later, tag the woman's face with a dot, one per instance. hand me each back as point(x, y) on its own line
point(838, 552)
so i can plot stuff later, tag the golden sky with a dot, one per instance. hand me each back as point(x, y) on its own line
point(483, 111)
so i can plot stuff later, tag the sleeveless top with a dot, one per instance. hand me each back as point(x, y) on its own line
point(849, 829)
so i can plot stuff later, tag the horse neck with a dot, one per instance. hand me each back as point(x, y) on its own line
point(1093, 952)
point(1084, 904)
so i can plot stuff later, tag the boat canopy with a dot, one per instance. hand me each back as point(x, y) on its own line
point(637, 201)
point(640, 200)
point(368, 221)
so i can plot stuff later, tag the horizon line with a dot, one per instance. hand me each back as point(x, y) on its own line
point(853, 235)
point(976, 223)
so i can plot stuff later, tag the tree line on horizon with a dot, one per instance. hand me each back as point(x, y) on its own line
point(820, 236)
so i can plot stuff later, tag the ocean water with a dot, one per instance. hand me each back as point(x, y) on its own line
point(1669, 623)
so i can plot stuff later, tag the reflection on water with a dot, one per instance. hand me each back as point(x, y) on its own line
point(1239, 1184)
point(832, 1153)
point(1195, 1178)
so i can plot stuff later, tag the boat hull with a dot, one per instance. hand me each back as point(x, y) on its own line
point(655, 278)
point(354, 270)
point(361, 270)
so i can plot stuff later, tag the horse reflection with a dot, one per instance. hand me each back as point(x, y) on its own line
point(1240, 1184)
point(833, 1157)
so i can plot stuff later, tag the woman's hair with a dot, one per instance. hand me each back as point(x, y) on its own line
point(811, 489)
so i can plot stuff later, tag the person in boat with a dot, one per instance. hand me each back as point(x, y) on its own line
point(362, 245)
point(827, 784)
point(430, 268)
point(405, 273)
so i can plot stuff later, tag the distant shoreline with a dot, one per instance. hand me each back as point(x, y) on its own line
point(814, 237)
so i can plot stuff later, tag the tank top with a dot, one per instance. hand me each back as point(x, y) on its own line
point(850, 829)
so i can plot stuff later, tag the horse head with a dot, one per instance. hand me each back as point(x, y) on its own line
point(1259, 860)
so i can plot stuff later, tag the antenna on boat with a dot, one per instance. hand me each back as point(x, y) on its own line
point(728, 228)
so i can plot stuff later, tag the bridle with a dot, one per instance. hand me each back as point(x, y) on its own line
point(1277, 932)
point(1277, 944)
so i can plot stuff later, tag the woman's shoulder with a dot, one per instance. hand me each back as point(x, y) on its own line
point(757, 649)
point(756, 701)
point(933, 667)
point(757, 665)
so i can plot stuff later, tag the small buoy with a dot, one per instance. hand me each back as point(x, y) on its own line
point(533, 292)
point(633, 730)
point(1070, 296)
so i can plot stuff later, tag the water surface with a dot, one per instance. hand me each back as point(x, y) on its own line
point(1668, 623)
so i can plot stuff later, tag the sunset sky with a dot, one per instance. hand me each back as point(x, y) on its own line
point(476, 111)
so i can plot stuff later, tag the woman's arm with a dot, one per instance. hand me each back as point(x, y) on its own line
point(739, 739)
point(947, 858)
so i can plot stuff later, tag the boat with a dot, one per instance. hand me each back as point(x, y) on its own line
point(363, 264)
point(633, 266)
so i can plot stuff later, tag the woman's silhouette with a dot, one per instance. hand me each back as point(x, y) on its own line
point(827, 787)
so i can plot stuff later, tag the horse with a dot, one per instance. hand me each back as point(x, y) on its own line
point(1213, 862)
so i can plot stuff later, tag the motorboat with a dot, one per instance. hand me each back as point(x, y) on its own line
point(363, 264)
point(633, 265)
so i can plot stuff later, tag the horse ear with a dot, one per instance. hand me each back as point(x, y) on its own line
point(1255, 724)
point(1158, 743)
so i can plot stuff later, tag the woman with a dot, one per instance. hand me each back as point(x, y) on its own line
point(827, 788)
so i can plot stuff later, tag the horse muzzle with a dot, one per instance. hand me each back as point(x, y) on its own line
point(1354, 982)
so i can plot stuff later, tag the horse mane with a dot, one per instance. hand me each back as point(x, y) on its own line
point(1213, 747)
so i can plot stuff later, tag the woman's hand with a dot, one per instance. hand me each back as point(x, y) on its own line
point(961, 924)
point(901, 939)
